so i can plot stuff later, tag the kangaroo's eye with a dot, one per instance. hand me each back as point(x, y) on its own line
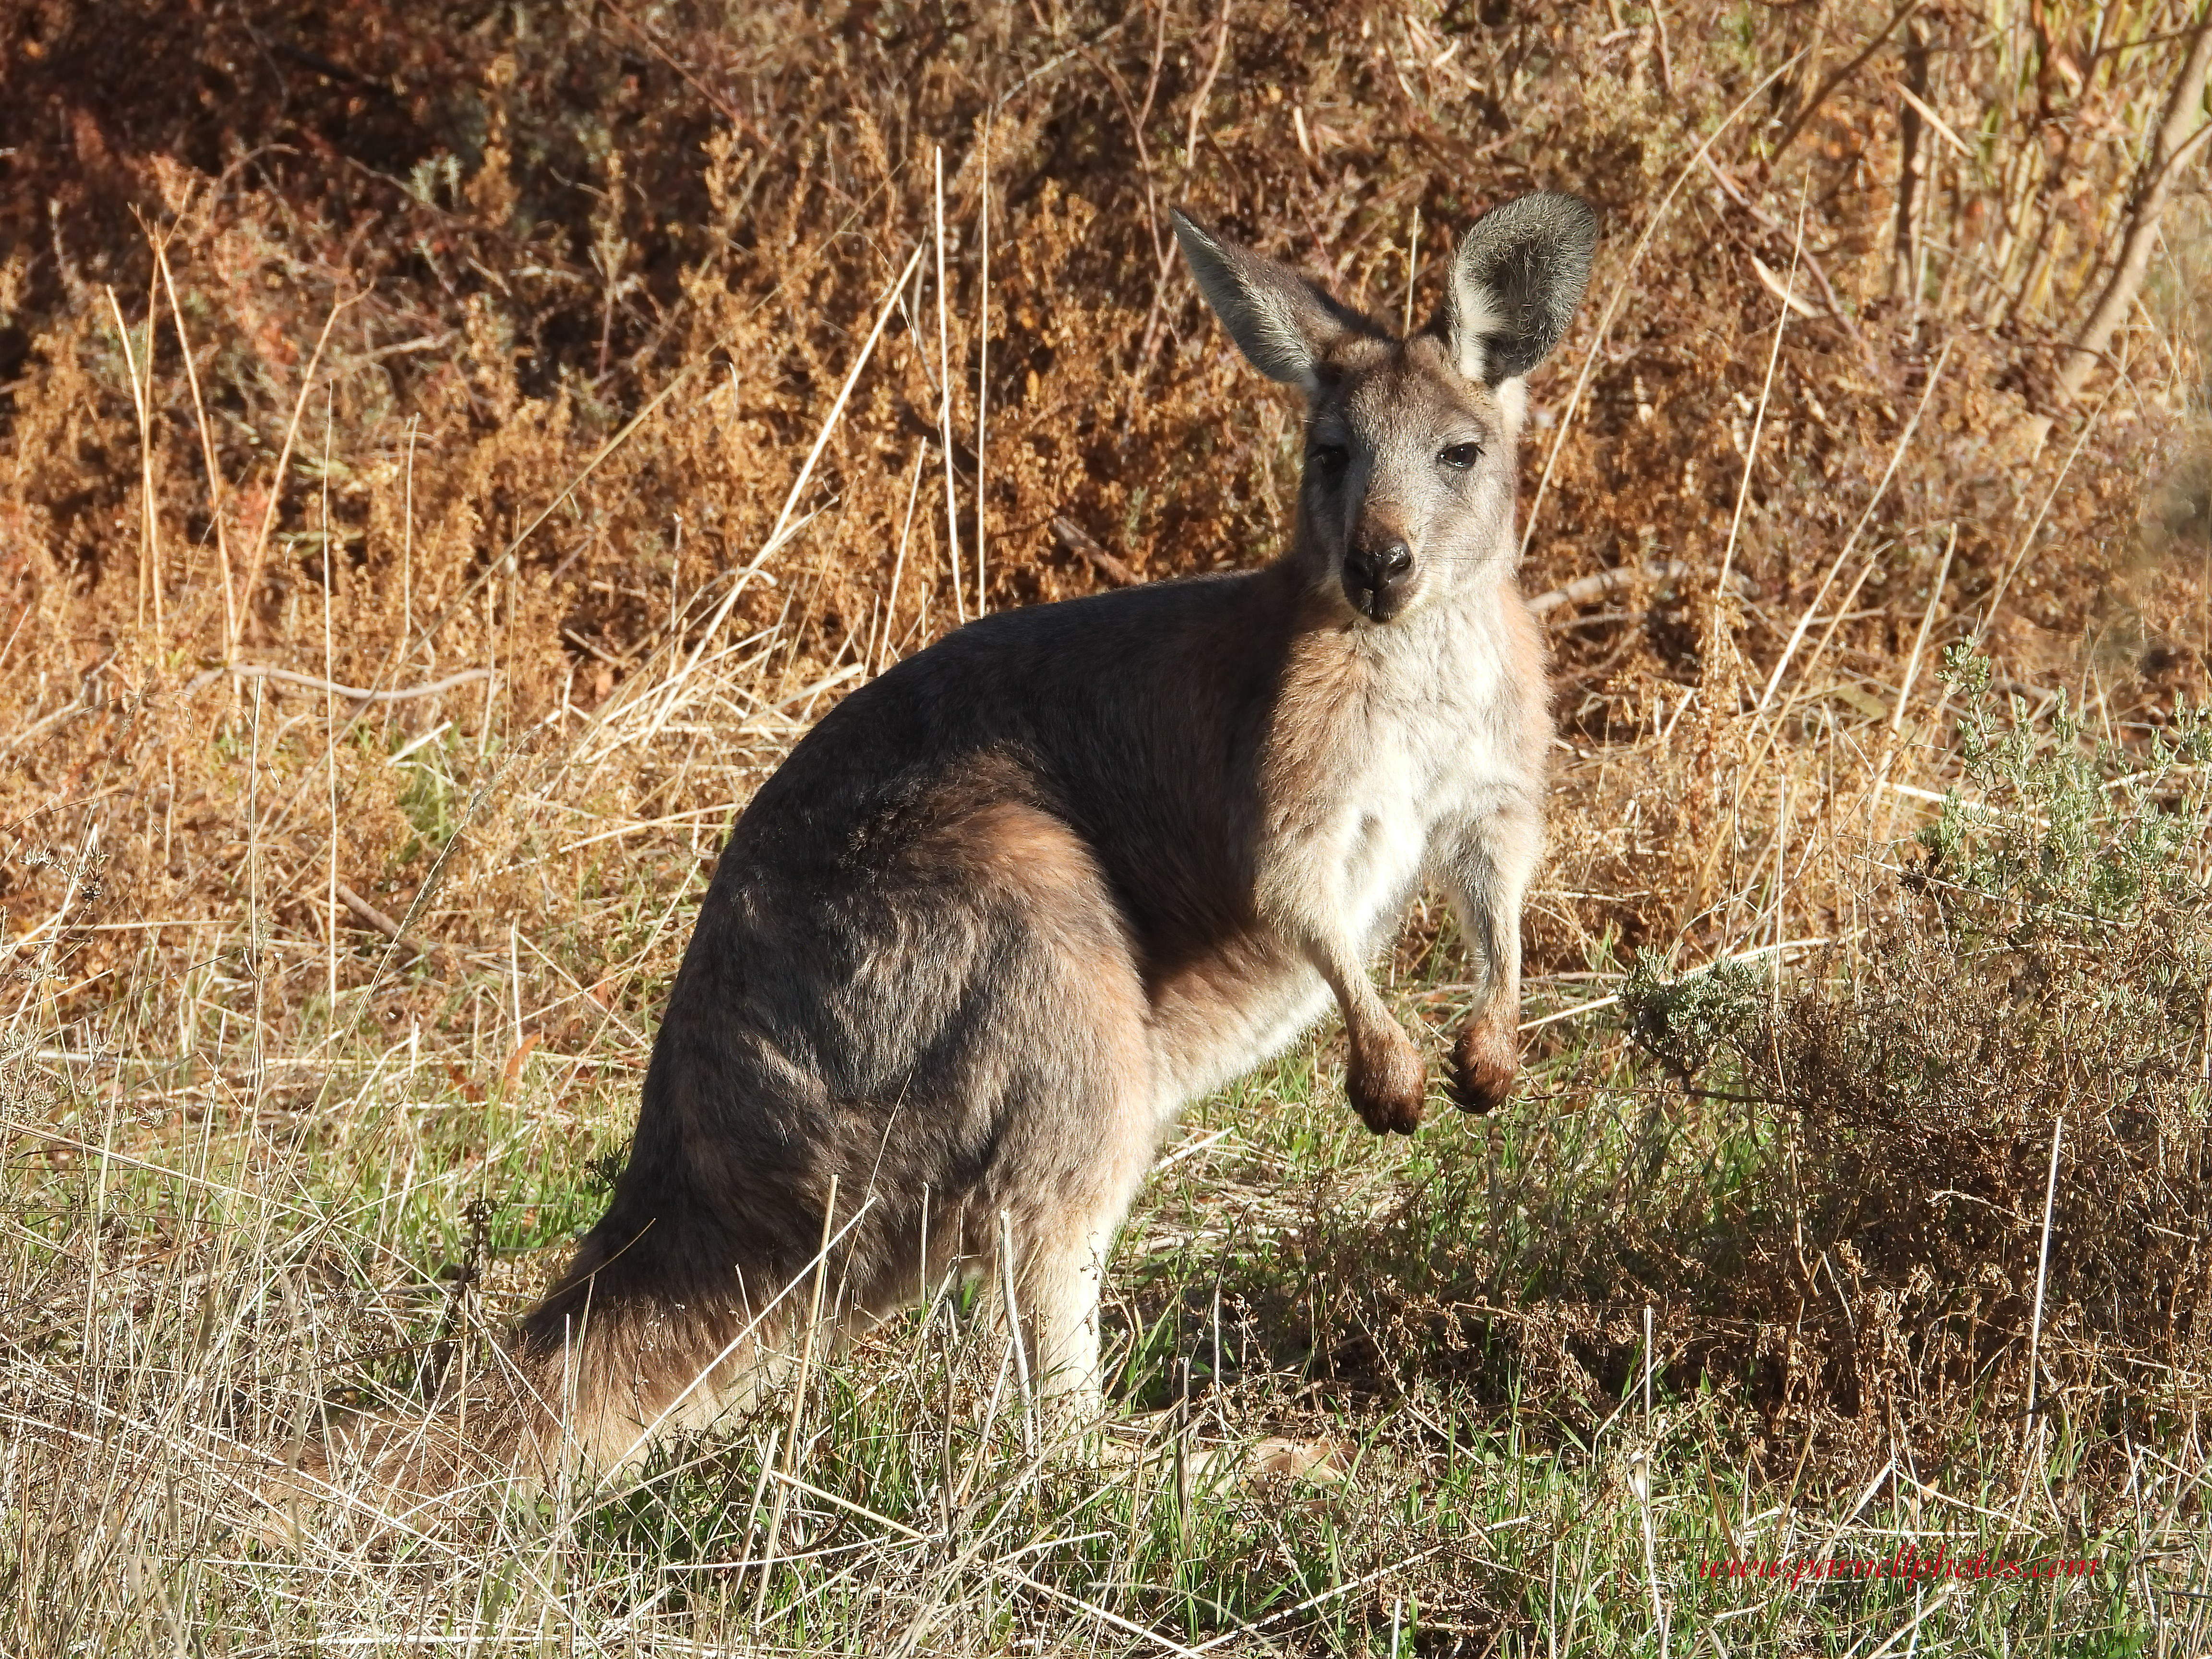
point(1459, 456)
point(1326, 460)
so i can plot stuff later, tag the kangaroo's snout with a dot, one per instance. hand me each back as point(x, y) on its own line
point(1378, 576)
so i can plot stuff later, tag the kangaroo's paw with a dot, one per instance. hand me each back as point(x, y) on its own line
point(1483, 1064)
point(1384, 1084)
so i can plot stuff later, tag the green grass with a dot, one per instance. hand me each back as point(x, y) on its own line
point(1376, 1308)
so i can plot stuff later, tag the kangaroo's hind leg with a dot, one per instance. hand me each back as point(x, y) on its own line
point(1080, 1117)
point(1059, 1267)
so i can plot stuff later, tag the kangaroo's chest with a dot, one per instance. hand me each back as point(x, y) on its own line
point(1413, 782)
point(1406, 753)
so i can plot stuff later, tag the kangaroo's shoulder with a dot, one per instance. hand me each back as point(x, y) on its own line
point(1143, 619)
point(1120, 648)
point(1025, 695)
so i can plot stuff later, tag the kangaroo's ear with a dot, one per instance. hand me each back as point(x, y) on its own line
point(1280, 321)
point(1516, 281)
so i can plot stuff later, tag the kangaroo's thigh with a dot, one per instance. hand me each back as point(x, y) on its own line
point(1032, 1099)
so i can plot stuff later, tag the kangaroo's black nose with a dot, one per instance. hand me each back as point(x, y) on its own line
point(1377, 566)
point(1374, 577)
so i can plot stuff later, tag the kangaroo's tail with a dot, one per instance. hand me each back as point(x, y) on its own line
point(624, 1350)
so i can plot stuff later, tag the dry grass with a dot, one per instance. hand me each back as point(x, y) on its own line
point(448, 461)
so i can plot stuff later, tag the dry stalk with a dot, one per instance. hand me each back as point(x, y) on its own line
point(260, 546)
point(944, 393)
point(798, 1403)
point(2028, 536)
point(784, 525)
point(2043, 1261)
point(1905, 686)
point(1014, 1330)
point(1198, 100)
point(1413, 266)
point(1759, 419)
point(331, 720)
point(1597, 586)
point(983, 339)
point(149, 565)
point(882, 646)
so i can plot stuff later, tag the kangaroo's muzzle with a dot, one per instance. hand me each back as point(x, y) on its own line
point(1378, 577)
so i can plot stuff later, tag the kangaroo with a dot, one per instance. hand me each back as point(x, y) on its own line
point(1005, 911)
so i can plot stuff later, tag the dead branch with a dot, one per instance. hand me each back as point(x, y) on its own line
point(2175, 144)
point(1812, 104)
point(1076, 539)
point(359, 693)
point(1583, 589)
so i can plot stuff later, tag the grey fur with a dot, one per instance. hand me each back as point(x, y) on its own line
point(1282, 323)
point(1519, 275)
point(1007, 909)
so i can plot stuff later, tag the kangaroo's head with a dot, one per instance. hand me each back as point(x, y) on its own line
point(1409, 462)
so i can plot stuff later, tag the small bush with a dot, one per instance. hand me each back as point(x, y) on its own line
point(2048, 959)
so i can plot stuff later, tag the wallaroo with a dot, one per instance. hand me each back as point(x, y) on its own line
point(1005, 911)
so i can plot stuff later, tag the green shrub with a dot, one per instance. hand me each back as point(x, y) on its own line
point(2048, 956)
